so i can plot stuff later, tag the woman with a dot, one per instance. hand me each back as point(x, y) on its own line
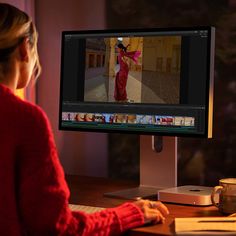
point(120, 93)
point(34, 194)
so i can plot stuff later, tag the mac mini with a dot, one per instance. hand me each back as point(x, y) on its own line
point(188, 194)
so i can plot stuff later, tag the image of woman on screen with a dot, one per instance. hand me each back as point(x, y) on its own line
point(120, 93)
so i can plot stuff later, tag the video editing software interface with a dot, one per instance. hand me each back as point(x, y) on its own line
point(137, 81)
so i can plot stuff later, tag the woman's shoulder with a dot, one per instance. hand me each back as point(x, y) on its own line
point(20, 108)
point(31, 110)
point(19, 113)
point(33, 117)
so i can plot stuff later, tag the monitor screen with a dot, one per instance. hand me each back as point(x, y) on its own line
point(152, 81)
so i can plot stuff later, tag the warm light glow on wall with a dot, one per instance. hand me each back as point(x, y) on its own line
point(20, 93)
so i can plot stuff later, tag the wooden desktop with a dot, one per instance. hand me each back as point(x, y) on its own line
point(89, 191)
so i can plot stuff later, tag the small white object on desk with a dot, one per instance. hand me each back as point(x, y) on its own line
point(188, 194)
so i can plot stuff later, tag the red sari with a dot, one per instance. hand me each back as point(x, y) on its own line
point(120, 93)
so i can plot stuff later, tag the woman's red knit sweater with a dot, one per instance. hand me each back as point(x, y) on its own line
point(33, 191)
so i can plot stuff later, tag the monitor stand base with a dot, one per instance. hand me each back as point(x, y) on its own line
point(141, 192)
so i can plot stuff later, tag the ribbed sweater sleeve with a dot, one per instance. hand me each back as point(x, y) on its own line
point(43, 193)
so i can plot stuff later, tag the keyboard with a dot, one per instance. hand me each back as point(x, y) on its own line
point(86, 209)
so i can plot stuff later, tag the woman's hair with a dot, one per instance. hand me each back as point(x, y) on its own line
point(121, 46)
point(15, 26)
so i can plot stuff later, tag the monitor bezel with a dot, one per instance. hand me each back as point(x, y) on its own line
point(209, 86)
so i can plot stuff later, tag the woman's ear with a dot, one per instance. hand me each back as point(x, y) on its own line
point(24, 50)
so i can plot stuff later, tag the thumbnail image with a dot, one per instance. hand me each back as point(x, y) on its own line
point(100, 118)
point(68, 116)
point(168, 120)
point(179, 121)
point(189, 121)
point(133, 69)
point(164, 120)
point(158, 120)
point(120, 118)
point(89, 117)
point(144, 119)
point(109, 118)
point(131, 119)
point(80, 117)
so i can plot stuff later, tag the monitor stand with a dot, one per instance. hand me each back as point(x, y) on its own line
point(158, 168)
point(158, 176)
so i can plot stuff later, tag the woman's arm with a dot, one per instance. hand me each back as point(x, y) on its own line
point(133, 55)
point(43, 193)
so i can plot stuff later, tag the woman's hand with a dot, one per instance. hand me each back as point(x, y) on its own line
point(153, 211)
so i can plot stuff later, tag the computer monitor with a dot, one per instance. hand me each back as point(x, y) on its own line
point(143, 81)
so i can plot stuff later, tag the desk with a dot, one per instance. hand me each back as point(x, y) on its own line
point(89, 191)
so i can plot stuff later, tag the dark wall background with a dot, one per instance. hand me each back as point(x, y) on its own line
point(200, 161)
